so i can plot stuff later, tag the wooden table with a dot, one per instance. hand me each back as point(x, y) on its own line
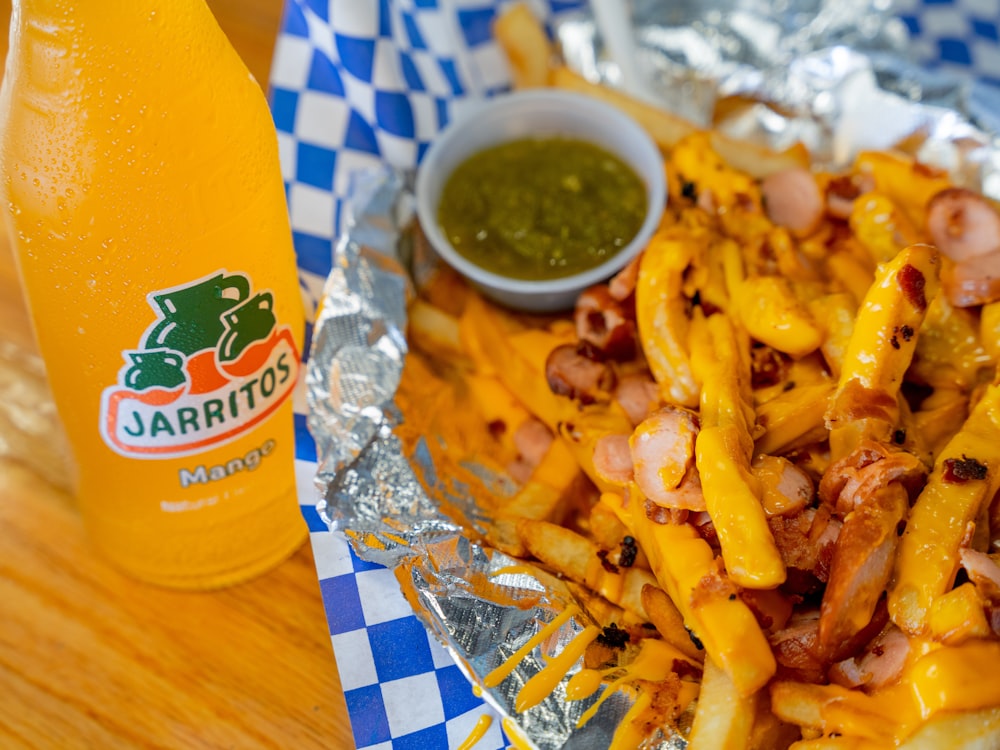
point(91, 659)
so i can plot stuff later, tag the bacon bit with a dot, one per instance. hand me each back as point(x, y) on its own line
point(497, 428)
point(689, 190)
point(912, 284)
point(683, 668)
point(794, 648)
point(570, 373)
point(702, 523)
point(629, 550)
point(962, 470)
point(601, 321)
point(806, 540)
point(842, 191)
point(713, 586)
point(664, 705)
point(613, 637)
point(767, 366)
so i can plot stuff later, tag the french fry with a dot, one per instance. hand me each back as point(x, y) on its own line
point(865, 403)
point(664, 128)
point(434, 330)
point(958, 615)
point(950, 352)
point(835, 314)
point(686, 568)
point(967, 730)
point(908, 184)
point(668, 621)
point(539, 499)
point(724, 717)
point(837, 742)
point(489, 333)
point(954, 679)
point(577, 558)
point(723, 449)
point(881, 227)
point(757, 161)
point(927, 559)
point(796, 349)
point(832, 709)
point(793, 419)
point(662, 318)
point(525, 44)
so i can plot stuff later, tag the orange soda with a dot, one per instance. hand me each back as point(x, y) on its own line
point(143, 196)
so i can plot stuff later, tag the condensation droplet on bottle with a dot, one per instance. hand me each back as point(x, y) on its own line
point(81, 331)
point(92, 284)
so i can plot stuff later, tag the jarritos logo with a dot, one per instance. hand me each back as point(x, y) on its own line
point(213, 365)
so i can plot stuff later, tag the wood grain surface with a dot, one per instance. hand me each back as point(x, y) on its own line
point(91, 659)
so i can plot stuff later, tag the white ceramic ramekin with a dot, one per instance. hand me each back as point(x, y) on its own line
point(538, 113)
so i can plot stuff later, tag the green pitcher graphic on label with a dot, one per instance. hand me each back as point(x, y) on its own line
point(212, 364)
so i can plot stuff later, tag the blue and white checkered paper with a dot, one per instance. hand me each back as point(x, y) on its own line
point(355, 84)
point(358, 83)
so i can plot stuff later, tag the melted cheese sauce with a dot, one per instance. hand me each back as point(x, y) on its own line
point(477, 733)
point(502, 672)
point(654, 663)
point(542, 684)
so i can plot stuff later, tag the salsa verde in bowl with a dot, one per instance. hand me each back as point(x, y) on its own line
point(535, 196)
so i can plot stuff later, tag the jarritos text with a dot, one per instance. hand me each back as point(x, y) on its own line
point(211, 366)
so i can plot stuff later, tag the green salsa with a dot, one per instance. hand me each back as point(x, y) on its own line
point(542, 208)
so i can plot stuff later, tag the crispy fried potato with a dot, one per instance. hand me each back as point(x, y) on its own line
point(724, 717)
point(527, 47)
point(805, 338)
point(668, 621)
point(664, 128)
point(578, 558)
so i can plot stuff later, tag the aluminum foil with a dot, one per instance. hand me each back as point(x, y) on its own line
point(831, 74)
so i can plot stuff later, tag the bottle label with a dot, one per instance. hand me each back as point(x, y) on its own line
point(212, 365)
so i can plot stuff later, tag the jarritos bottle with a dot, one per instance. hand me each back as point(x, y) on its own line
point(143, 194)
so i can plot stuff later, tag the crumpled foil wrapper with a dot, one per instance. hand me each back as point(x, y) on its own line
point(830, 74)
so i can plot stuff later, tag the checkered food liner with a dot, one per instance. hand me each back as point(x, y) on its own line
point(361, 85)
